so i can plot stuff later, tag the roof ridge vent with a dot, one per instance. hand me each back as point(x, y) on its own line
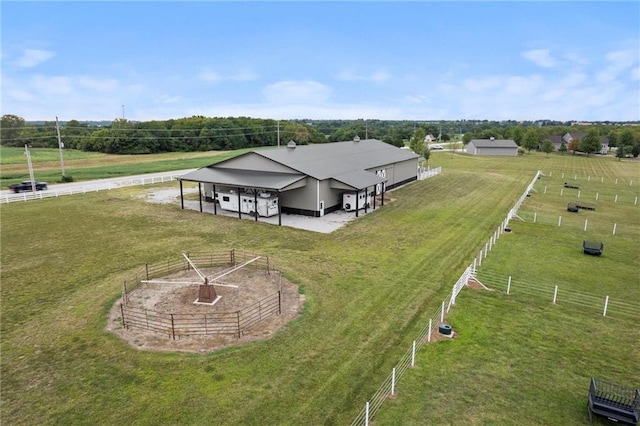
point(291, 144)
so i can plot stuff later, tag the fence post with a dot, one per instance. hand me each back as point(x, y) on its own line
point(614, 228)
point(597, 195)
point(146, 268)
point(485, 249)
point(578, 193)
point(606, 303)
point(393, 381)
point(563, 175)
point(146, 317)
point(429, 335)
point(475, 259)
point(509, 285)
point(413, 353)
point(366, 414)
point(561, 191)
point(480, 259)
point(559, 220)
point(585, 224)
point(616, 181)
point(124, 324)
point(442, 313)
point(635, 203)
point(206, 331)
point(238, 315)
point(173, 329)
point(589, 179)
point(279, 302)
point(575, 177)
point(545, 189)
point(535, 217)
point(555, 295)
point(616, 200)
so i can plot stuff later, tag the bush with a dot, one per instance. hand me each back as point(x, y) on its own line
point(67, 178)
point(520, 151)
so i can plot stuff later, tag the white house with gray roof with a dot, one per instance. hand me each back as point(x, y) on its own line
point(492, 147)
point(309, 179)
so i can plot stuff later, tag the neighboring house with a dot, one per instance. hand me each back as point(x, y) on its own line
point(310, 179)
point(557, 141)
point(492, 147)
point(569, 136)
point(430, 138)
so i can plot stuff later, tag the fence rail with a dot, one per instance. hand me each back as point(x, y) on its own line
point(602, 304)
point(427, 173)
point(181, 324)
point(95, 187)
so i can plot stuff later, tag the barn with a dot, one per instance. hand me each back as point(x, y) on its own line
point(310, 180)
point(492, 147)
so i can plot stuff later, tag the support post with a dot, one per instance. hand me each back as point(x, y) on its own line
point(442, 313)
point(535, 217)
point(255, 203)
point(480, 259)
point(578, 193)
point(616, 199)
point(181, 197)
point(614, 228)
point(559, 220)
point(393, 381)
point(561, 191)
point(430, 327)
point(413, 354)
point(586, 221)
point(173, 329)
point(239, 205)
point(555, 295)
point(366, 414)
point(606, 304)
point(597, 195)
point(509, 285)
point(200, 195)
point(215, 208)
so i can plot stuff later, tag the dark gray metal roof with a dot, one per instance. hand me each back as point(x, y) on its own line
point(359, 179)
point(497, 143)
point(243, 178)
point(329, 160)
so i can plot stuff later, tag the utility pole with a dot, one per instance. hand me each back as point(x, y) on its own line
point(278, 133)
point(60, 146)
point(366, 130)
point(33, 179)
point(123, 112)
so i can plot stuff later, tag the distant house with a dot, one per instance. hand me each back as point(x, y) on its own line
point(492, 147)
point(570, 136)
point(557, 141)
point(430, 138)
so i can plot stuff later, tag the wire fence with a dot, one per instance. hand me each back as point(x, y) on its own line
point(602, 304)
point(388, 387)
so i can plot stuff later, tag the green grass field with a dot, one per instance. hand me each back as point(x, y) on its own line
point(90, 165)
point(370, 287)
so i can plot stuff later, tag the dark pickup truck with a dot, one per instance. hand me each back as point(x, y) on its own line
point(25, 185)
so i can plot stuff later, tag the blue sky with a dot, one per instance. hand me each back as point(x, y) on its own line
point(321, 60)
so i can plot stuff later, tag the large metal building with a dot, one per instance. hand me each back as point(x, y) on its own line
point(309, 180)
point(492, 147)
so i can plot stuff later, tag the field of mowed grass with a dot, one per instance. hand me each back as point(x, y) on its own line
point(519, 358)
point(370, 287)
point(92, 165)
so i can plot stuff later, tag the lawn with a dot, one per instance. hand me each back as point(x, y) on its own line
point(82, 165)
point(369, 289)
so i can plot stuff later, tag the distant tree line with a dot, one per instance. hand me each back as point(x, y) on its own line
point(199, 133)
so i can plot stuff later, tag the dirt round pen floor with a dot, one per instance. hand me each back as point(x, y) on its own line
point(164, 299)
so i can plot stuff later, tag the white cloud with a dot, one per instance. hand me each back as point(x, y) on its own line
point(56, 85)
point(616, 63)
point(33, 57)
point(210, 76)
point(540, 57)
point(304, 92)
point(375, 77)
point(417, 99)
point(517, 85)
point(635, 74)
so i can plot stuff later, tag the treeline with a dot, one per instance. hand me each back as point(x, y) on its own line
point(149, 137)
point(209, 134)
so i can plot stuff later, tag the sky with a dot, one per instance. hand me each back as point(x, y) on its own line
point(420, 60)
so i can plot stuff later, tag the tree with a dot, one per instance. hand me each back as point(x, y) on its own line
point(547, 146)
point(563, 148)
point(417, 143)
point(591, 142)
point(531, 139)
point(573, 146)
point(627, 138)
point(613, 138)
point(10, 129)
point(620, 153)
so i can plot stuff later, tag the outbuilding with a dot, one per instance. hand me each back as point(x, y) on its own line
point(492, 147)
point(310, 180)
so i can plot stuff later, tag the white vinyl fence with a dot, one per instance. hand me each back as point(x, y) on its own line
point(555, 294)
point(89, 187)
point(388, 387)
point(427, 173)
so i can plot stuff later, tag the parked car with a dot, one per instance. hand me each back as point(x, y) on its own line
point(25, 185)
point(436, 147)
